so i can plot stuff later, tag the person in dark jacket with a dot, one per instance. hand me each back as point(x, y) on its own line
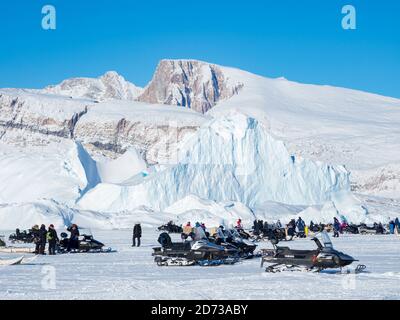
point(137, 234)
point(300, 227)
point(36, 238)
point(73, 242)
point(256, 229)
point(52, 238)
point(291, 228)
point(336, 227)
point(397, 224)
point(265, 227)
point(42, 239)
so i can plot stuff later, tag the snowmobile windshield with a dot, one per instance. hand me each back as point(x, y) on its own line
point(234, 233)
point(326, 240)
point(85, 231)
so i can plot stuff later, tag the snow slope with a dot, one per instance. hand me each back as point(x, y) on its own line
point(51, 172)
point(329, 124)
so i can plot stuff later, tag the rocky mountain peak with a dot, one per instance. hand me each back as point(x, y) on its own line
point(189, 83)
point(111, 85)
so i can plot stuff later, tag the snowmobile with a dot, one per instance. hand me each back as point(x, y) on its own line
point(85, 243)
point(377, 228)
point(323, 257)
point(233, 238)
point(272, 232)
point(170, 227)
point(25, 236)
point(186, 253)
point(351, 228)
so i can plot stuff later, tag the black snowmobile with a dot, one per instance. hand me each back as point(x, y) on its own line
point(377, 228)
point(351, 228)
point(201, 252)
point(85, 243)
point(170, 227)
point(323, 257)
point(244, 246)
point(25, 236)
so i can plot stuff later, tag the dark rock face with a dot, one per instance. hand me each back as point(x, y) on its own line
point(191, 84)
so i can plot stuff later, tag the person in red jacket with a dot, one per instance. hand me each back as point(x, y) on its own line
point(239, 224)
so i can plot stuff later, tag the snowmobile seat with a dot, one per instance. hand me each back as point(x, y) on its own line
point(180, 246)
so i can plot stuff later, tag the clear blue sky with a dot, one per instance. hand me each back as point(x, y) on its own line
point(300, 40)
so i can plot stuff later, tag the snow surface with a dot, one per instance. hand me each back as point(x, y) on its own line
point(131, 273)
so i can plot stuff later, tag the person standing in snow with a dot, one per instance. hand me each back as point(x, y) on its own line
point(52, 238)
point(265, 227)
point(42, 239)
point(220, 236)
point(336, 227)
point(290, 229)
point(256, 230)
point(397, 224)
point(300, 227)
point(36, 238)
point(239, 225)
point(73, 242)
point(392, 225)
point(279, 224)
point(137, 234)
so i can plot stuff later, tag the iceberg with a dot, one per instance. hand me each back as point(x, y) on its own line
point(232, 158)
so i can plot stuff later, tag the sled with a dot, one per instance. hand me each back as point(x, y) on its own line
point(11, 262)
point(28, 260)
point(16, 250)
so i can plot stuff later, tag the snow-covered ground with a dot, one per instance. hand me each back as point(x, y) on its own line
point(131, 273)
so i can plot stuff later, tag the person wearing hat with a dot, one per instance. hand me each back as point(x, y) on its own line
point(137, 234)
point(52, 238)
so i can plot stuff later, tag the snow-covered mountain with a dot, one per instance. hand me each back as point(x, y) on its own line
point(111, 85)
point(189, 83)
point(266, 145)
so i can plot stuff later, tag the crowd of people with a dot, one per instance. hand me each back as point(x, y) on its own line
point(49, 236)
point(300, 229)
point(43, 236)
point(394, 225)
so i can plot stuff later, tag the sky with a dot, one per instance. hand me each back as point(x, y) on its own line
point(300, 40)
